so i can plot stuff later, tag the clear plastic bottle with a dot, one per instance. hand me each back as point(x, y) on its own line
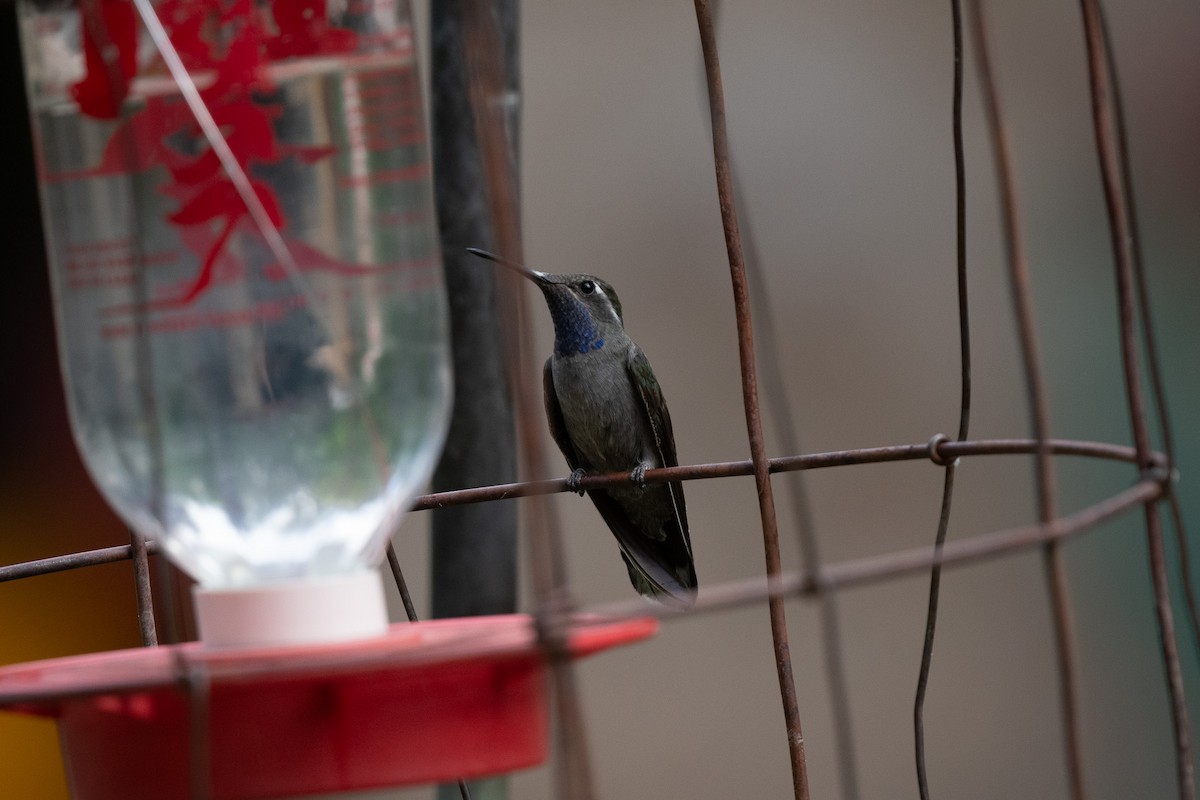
point(265, 421)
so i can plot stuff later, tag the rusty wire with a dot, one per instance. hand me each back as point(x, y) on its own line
point(1154, 484)
point(937, 450)
point(1035, 398)
point(788, 440)
point(758, 448)
point(1121, 229)
point(869, 570)
point(410, 611)
point(1120, 143)
point(889, 566)
point(829, 578)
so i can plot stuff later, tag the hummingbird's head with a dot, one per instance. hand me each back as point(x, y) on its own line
point(585, 309)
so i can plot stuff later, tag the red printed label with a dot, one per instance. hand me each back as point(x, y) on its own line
point(233, 50)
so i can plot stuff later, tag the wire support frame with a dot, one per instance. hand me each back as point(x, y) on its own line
point(807, 584)
point(870, 569)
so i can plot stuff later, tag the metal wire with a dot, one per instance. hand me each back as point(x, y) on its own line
point(1153, 368)
point(937, 450)
point(410, 610)
point(758, 451)
point(890, 566)
point(85, 558)
point(1035, 393)
point(779, 408)
point(230, 164)
point(830, 578)
point(964, 408)
point(1121, 229)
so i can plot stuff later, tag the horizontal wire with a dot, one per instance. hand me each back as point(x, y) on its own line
point(734, 594)
point(86, 558)
point(851, 573)
point(937, 450)
point(940, 452)
point(844, 575)
point(873, 569)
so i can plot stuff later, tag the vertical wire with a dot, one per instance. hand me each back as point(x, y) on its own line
point(1120, 222)
point(778, 406)
point(964, 414)
point(762, 480)
point(393, 560)
point(1153, 366)
point(141, 582)
point(410, 611)
point(1056, 579)
point(485, 70)
point(930, 625)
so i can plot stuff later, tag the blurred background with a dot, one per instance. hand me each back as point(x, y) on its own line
point(839, 119)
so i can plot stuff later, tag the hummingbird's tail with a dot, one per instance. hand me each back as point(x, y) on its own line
point(660, 567)
point(679, 595)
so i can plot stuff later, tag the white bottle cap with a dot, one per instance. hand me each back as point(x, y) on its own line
point(334, 608)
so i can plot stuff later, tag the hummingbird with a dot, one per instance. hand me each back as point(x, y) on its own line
point(607, 414)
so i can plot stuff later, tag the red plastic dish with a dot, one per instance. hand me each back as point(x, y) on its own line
point(430, 701)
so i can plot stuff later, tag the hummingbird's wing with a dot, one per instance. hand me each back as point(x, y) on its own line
point(655, 407)
point(676, 549)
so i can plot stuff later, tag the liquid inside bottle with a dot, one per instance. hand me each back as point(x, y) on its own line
point(264, 420)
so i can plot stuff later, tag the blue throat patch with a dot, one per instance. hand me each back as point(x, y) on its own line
point(574, 330)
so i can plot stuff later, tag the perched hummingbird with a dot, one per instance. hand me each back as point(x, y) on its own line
point(607, 413)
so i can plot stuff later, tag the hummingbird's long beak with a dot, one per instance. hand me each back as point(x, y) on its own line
point(540, 278)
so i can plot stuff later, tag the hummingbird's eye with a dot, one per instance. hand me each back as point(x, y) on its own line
point(587, 287)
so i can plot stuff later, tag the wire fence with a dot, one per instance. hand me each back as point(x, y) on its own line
point(818, 581)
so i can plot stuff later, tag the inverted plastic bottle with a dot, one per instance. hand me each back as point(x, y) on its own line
point(266, 416)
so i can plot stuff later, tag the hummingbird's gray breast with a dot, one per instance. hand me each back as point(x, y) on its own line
point(602, 411)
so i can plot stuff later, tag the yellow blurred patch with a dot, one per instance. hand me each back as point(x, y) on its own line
point(32, 743)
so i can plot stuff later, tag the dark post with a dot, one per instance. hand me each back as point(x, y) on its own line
point(474, 546)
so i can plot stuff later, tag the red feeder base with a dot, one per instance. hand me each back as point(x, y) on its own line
point(430, 701)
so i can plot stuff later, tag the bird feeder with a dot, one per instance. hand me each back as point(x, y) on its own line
point(427, 701)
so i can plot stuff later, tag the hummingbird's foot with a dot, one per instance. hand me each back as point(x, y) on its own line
point(573, 481)
point(638, 476)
